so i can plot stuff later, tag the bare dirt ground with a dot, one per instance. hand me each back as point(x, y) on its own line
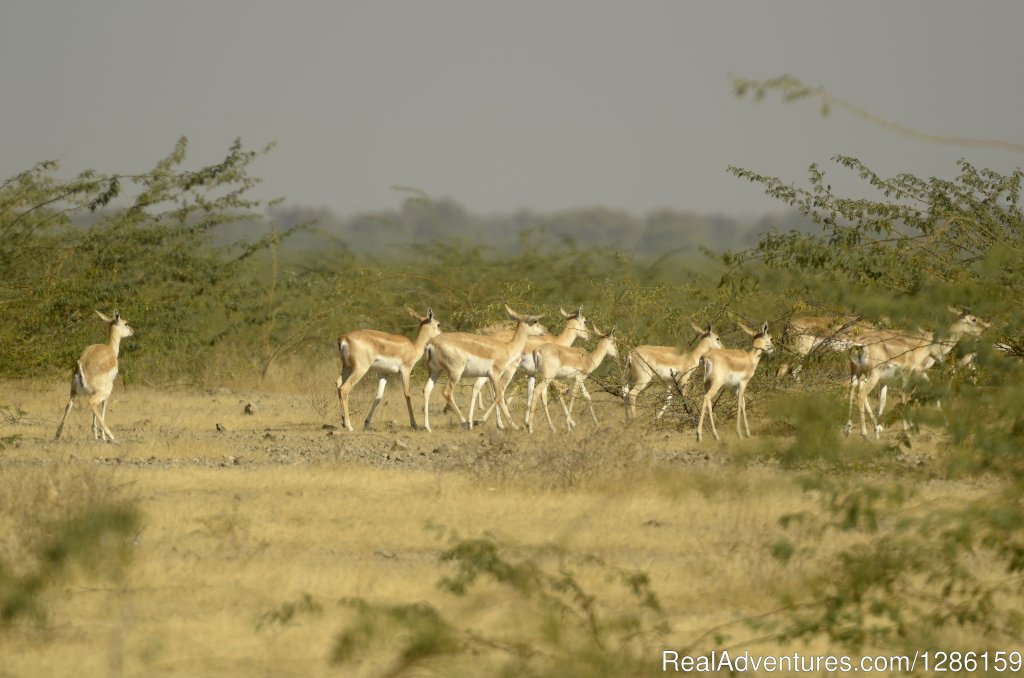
point(214, 429)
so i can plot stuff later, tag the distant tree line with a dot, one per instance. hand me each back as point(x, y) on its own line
point(421, 220)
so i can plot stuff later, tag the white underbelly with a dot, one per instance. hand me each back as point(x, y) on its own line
point(887, 373)
point(734, 380)
point(477, 367)
point(664, 373)
point(386, 365)
point(567, 373)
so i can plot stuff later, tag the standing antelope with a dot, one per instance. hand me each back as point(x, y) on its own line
point(471, 355)
point(94, 376)
point(572, 364)
point(668, 364)
point(365, 351)
point(575, 328)
point(882, 356)
point(732, 367)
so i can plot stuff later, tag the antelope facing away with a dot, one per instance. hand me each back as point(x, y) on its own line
point(461, 354)
point(732, 367)
point(575, 328)
point(669, 365)
point(365, 351)
point(571, 364)
point(94, 376)
point(884, 356)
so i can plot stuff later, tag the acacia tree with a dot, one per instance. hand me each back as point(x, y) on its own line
point(911, 570)
point(141, 243)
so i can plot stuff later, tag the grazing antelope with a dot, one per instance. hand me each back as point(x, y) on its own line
point(732, 367)
point(461, 354)
point(568, 363)
point(365, 351)
point(94, 376)
point(805, 334)
point(882, 356)
point(669, 365)
point(575, 328)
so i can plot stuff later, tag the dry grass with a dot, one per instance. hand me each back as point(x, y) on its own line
point(239, 523)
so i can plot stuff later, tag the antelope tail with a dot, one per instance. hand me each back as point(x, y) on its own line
point(78, 379)
point(343, 349)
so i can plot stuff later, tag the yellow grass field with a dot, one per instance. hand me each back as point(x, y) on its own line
point(276, 510)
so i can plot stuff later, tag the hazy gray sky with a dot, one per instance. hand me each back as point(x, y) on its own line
point(501, 105)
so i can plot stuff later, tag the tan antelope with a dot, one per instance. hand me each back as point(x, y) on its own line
point(670, 366)
point(805, 334)
point(881, 357)
point(461, 354)
point(732, 367)
point(575, 328)
point(94, 376)
point(568, 363)
point(386, 354)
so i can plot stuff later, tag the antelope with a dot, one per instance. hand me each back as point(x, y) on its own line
point(732, 367)
point(503, 329)
point(805, 334)
point(881, 357)
point(575, 328)
point(365, 351)
point(94, 376)
point(568, 363)
point(808, 333)
point(669, 365)
point(462, 354)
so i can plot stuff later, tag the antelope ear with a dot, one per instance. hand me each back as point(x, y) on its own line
point(512, 314)
point(414, 314)
point(745, 328)
point(564, 313)
point(696, 329)
point(430, 314)
point(764, 329)
point(955, 310)
point(594, 325)
point(611, 333)
point(106, 319)
point(579, 311)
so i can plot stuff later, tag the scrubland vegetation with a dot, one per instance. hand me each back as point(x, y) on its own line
point(277, 545)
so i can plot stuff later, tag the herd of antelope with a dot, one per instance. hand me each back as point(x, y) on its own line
point(496, 354)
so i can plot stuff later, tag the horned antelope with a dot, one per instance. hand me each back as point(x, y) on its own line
point(669, 365)
point(568, 363)
point(732, 367)
point(883, 356)
point(461, 354)
point(94, 376)
point(575, 328)
point(365, 351)
point(503, 329)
